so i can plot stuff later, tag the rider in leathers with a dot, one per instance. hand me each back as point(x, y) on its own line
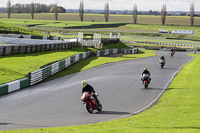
point(146, 72)
point(89, 88)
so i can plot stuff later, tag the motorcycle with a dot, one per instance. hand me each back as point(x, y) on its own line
point(146, 81)
point(172, 53)
point(162, 63)
point(91, 103)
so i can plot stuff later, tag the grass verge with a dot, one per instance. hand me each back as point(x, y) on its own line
point(96, 61)
point(18, 66)
point(176, 112)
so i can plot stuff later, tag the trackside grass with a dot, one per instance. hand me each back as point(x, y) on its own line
point(18, 66)
point(96, 61)
point(176, 112)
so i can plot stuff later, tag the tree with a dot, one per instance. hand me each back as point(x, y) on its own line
point(106, 12)
point(56, 11)
point(163, 14)
point(60, 9)
point(32, 10)
point(9, 8)
point(135, 13)
point(81, 10)
point(192, 14)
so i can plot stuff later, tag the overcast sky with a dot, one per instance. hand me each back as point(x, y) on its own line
point(145, 5)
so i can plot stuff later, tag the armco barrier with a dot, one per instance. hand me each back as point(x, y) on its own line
point(14, 85)
point(24, 49)
point(47, 71)
point(115, 51)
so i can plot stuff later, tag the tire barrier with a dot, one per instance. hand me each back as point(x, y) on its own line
point(163, 43)
point(11, 49)
point(49, 70)
point(14, 85)
point(116, 51)
point(109, 40)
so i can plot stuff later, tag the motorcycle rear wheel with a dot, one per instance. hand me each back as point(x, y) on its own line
point(145, 85)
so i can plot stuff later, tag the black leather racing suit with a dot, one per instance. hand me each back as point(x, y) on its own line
point(90, 89)
point(146, 72)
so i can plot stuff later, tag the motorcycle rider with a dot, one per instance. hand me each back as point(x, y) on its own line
point(162, 58)
point(90, 89)
point(147, 74)
point(172, 51)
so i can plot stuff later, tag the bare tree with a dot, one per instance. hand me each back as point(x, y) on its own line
point(81, 10)
point(192, 14)
point(163, 14)
point(56, 11)
point(106, 12)
point(9, 8)
point(32, 10)
point(135, 14)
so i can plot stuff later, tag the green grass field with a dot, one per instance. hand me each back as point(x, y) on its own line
point(120, 23)
point(142, 19)
point(176, 112)
point(18, 66)
point(6, 27)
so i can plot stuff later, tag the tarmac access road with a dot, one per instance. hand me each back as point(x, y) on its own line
point(57, 102)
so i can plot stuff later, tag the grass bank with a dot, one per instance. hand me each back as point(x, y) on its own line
point(142, 19)
point(18, 66)
point(176, 112)
point(96, 61)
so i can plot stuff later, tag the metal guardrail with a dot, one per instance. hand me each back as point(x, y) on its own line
point(24, 49)
point(49, 70)
point(116, 51)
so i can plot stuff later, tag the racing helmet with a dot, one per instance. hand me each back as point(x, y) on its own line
point(145, 69)
point(84, 83)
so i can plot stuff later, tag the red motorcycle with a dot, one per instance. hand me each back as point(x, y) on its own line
point(145, 80)
point(91, 103)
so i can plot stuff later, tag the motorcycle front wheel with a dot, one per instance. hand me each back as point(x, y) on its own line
point(89, 108)
point(100, 107)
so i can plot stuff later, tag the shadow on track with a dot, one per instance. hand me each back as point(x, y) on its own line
point(165, 68)
point(39, 126)
point(113, 113)
point(150, 88)
point(4, 124)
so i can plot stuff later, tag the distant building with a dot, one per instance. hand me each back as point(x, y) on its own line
point(187, 32)
point(163, 31)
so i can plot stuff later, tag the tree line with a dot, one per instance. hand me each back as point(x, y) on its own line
point(54, 8)
point(38, 8)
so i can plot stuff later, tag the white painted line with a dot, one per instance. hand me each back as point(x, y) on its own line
point(157, 98)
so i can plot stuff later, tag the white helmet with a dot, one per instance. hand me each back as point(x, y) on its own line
point(84, 83)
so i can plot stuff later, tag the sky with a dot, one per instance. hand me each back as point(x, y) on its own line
point(142, 5)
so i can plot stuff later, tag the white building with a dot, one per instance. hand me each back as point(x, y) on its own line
point(187, 32)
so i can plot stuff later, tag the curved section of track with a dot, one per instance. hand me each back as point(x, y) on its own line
point(57, 102)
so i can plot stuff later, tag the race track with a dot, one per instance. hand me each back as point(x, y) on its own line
point(57, 103)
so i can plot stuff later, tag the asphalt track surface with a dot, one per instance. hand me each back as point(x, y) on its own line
point(57, 103)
